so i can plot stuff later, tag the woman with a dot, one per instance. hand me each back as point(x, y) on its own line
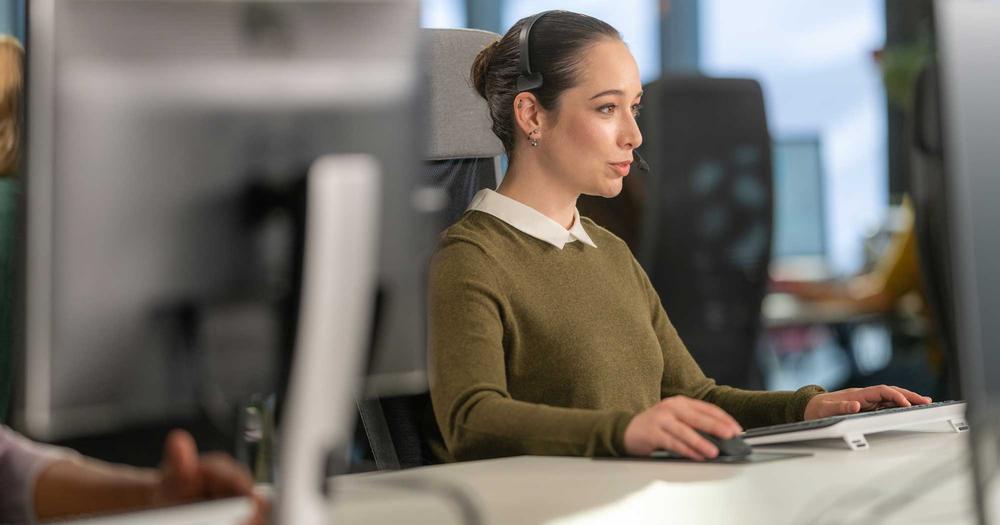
point(545, 334)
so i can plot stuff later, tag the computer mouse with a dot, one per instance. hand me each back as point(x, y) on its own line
point(733, 447)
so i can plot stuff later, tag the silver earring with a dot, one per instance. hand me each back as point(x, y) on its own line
point(533, 142)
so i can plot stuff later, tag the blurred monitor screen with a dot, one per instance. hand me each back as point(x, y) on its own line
point(157, 282)
point(799, 220)
point(799, 249)
point(969, 69)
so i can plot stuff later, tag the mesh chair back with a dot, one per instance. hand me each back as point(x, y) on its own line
point(706, 239)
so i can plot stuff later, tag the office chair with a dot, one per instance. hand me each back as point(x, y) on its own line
point(700, 222)
point(462, 157)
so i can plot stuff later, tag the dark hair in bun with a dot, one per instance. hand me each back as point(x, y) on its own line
point(557, 43)
point(481, 66)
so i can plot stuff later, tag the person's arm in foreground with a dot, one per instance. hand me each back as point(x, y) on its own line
point(77, 485)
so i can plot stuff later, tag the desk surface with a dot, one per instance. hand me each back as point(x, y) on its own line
point(905, 477)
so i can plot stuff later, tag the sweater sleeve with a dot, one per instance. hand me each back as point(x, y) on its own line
point(21, 461)
point(683, 376)
point(475, 412)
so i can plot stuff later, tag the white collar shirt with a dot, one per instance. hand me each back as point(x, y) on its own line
point(529, 220)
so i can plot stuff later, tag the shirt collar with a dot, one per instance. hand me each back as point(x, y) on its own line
point(529, 220)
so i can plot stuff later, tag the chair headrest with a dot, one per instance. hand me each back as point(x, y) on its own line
point(458, 119)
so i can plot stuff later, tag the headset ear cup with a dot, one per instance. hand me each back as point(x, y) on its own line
point(529, 82)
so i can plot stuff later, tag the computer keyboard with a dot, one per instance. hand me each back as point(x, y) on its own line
point(852, 427)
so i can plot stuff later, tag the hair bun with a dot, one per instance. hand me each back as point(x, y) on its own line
point(481, 67)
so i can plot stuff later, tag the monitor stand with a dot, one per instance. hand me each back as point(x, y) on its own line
point(337, 303)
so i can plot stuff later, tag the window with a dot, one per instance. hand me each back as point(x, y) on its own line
point(443, 13)
point(637, 20)
point(814, 61)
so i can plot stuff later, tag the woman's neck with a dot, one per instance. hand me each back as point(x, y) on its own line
point(528, 184)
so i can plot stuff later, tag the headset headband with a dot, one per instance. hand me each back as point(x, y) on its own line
point(528, 80)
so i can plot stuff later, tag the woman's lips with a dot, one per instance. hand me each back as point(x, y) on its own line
point(621, 167)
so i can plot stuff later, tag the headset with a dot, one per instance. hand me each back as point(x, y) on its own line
point(529, 80)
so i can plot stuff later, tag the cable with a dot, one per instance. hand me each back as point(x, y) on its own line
point(466, 504)
point(463, 501)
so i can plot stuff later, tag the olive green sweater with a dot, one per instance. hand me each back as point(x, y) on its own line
point(537, 350)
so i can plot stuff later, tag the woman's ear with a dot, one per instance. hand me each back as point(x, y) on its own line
point(528, 116)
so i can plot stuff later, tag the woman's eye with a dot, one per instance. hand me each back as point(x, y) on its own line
point(636, 108)
point(607, 109)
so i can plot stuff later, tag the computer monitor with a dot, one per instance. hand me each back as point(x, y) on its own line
point(168, 147)
point(799, 218)
point(969, 73)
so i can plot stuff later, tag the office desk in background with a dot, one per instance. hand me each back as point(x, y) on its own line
point(782, 310)
point(835, 344)
point(906, 477)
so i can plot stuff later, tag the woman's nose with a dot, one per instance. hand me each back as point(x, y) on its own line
point(631, 137)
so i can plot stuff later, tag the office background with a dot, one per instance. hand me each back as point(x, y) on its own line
point(814, 61)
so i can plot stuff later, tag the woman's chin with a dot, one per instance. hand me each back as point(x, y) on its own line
point(611, 189)
point(608, 188)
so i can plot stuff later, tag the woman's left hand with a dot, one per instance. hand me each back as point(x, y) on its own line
point(853, 400)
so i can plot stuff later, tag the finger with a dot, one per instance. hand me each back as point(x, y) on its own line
point(912, 397)
point(687, 435)
point(708, 422)
point(180, 465)
point(261, 511)
point(696, 406)
point(872, 396)
point(669, 442)
point(837, 408)
point(224, 477)
point(893, 395)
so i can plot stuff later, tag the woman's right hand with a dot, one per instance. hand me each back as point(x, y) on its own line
point(671, 425)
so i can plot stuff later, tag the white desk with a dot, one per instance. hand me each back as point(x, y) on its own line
point(819, 489)
point(836, 485)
